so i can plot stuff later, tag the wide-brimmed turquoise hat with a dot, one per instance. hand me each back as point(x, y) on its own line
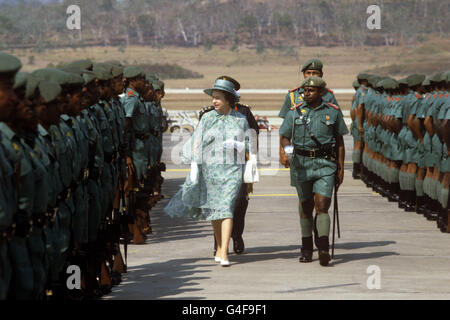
point(222, 85)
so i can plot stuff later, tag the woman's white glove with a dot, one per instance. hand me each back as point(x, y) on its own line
point(231, 144)
point(251, 174)
point(194, 172)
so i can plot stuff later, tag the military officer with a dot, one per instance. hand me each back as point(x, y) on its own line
point(312, 67)
point(312, 135)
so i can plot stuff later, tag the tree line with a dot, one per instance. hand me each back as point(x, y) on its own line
point(193, 23)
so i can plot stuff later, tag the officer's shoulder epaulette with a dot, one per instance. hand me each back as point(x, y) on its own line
point(295, 89)
point(205, 110)
point(333, 105)
point(330, 91)
point(243, 105)
point(296, 106)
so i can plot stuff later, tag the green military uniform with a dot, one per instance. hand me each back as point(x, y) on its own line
point(135, 109)
point(313, 175)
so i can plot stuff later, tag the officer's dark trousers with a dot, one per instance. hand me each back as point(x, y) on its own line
point(239, 214)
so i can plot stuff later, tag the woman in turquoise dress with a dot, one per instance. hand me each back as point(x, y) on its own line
point(216, 151)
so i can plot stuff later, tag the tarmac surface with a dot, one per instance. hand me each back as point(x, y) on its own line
point(383, 253)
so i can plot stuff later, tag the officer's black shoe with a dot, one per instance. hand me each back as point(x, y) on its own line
point(324, 254)
point(356, 171)
point(307, 250)
point(238, 245)
point(420, 208)
point(410, 201)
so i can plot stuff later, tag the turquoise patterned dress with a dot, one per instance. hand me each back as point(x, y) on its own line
point(220, 171)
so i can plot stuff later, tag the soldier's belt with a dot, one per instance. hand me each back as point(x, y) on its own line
point(327, 153)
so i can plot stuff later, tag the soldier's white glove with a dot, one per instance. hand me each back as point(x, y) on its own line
point(289, 150)
point(231, 144)
point(194, 172)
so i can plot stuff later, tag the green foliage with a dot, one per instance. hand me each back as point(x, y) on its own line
point(207, 44)
point(260, 48)
point(249, 23)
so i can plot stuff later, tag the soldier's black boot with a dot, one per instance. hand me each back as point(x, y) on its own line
point(324, 248)
point(433, 210)
point(307, 250)
point(410, 201)
point(444, 224)
point(402, 199)
point(420, 207)
point(356, 171)
point(395, 192)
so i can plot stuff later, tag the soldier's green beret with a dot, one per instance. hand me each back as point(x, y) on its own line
point(438, 77)
point(363, 76)
point(59, 76)
point(85, 64)
point(115, 63)
point(9, 63)
point(102, 72)
point(20, 80)
point(403, 82)
point(116, 70)
point(390, 84)
point(415, 80)
point(157, 85)
point(32, 84)
point(150, 77)
point(133, 71)
point(356, 84)
point(372, 80)
point(237, 85)
point(426, 82)
point(88, 76)
point(49, 90)
point(312, 64)
point(314, 82)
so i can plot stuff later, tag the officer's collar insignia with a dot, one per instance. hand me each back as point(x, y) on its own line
point(327, 117)
point(296, 106)
point(303, 111)
point(15, 146)
point(295, 89)
point(332, 105)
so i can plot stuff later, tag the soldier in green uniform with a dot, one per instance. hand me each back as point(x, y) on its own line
point(312, 135)
point(444, 134)
point(137, 131)
point(312, 67)
point(9, 65)
point(18, 154)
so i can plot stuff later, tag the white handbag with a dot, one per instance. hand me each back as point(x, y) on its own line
point(251, 174)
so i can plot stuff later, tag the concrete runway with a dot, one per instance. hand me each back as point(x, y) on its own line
point(383, 253)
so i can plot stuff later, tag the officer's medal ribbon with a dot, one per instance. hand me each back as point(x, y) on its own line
point(328, 120)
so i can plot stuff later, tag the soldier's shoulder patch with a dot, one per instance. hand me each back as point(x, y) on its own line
point(330, 91)
point(418, 96)
point(296, 106)
point(131, 94)
point(295, 89)
point(333, 105)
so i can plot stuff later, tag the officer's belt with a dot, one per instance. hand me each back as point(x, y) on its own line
point(327, 153)
point(143, 136)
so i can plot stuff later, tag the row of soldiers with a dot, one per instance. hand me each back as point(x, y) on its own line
point(80, 169)
point(401, 132)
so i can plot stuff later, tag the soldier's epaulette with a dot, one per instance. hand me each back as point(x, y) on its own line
point(333, 105)
point(293, 90)
point(205, 110)
point(330, 91)
point(295, 107)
